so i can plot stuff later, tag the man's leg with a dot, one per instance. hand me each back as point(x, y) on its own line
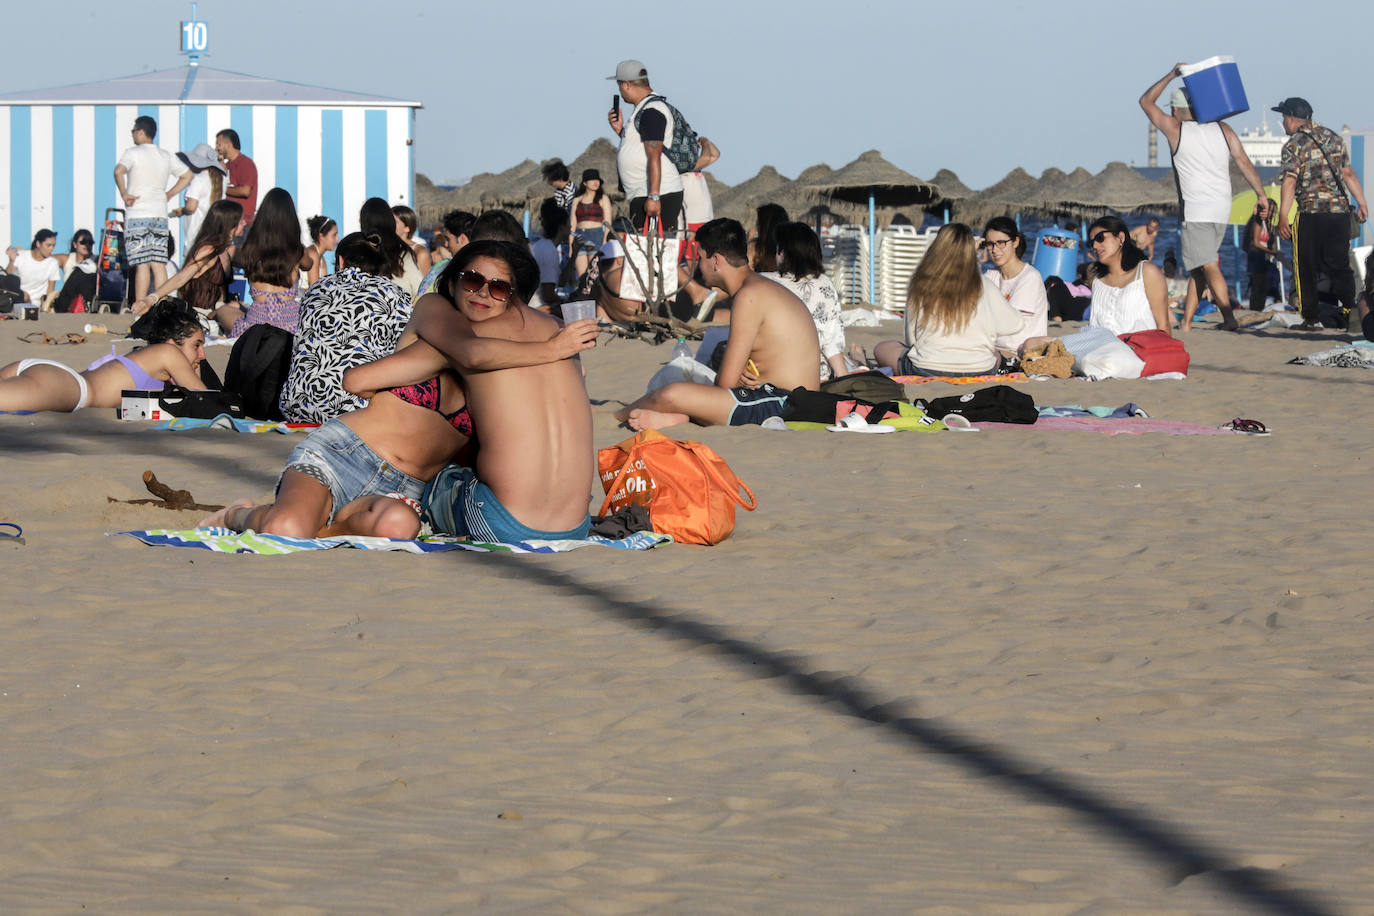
point(1216, 281)
point(1190, 301)
point(159, 271)
point(141, 273)
point(1305, 250)
point(1335, 258)
point(678, 403)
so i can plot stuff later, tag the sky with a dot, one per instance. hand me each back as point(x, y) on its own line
point(979, 88)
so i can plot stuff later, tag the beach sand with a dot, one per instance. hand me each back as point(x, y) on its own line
point(1015, 671)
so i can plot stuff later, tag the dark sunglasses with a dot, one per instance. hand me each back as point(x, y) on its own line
point(1097, 239)
point(472, 282)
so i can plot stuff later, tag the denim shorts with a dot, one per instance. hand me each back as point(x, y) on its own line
point(457, 503)
point(337, 458)
point(906, 367)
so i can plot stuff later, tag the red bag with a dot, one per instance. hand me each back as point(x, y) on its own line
point(690, 491)
point(1160, 352)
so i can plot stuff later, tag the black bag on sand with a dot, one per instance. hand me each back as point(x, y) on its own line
point(871, 386)
point(257, 370)
point(199, 405)
point(997, 404)
point(807, 406)
point(10, 292)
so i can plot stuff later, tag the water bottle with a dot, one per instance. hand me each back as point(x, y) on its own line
point(681, 349)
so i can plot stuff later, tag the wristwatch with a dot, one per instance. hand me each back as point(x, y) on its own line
point(653, 197)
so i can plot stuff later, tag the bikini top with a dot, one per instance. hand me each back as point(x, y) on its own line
point(426, 394)
point(589, 213)
point(142, 380)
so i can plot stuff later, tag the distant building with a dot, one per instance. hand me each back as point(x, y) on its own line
point(329, 148)
point(1262, 146)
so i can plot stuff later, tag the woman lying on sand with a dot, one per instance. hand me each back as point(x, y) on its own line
point(176, 348)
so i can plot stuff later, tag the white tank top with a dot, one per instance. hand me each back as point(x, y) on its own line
point(1122, 310)
point(1202, 170)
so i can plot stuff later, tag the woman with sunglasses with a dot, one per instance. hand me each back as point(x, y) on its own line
point(954, 315)
point(1018, 282)
point(526, 395)
point(78, 273)
point(1129, 293)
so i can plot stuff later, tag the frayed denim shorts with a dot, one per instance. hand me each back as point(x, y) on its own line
point(336, 457)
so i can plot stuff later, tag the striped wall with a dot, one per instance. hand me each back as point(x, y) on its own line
point(57, 161)
point(1361, 160)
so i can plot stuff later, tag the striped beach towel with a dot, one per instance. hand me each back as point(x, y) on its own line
point(222, 540)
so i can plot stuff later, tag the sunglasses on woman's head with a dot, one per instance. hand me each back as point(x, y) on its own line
point(472, 282)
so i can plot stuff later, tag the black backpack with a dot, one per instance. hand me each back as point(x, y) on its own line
point(10, 292)
point(257, 370)
point(997, 404)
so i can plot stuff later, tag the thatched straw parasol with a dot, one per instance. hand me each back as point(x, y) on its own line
point(739, 201)
point(1049, 194)
point(1118, 188)
point(998, 199)
point(873, 179)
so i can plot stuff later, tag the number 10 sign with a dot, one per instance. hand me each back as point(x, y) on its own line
point(195, 37)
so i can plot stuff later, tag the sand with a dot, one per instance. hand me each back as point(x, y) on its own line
point(1004, 672)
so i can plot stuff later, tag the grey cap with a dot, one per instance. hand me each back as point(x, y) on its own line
point(1179, 99)
point(628, 71)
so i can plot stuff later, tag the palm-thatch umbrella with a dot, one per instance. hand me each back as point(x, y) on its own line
point(873, 178)
point(1117, 188)
point(738, 201)
point(996, 199)
point(1049, 194)
point(952, 192)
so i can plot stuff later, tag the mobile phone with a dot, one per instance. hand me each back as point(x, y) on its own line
point(615, 103)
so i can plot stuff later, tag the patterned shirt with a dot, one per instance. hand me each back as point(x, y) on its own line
point(1305, 158)
point(346, 319)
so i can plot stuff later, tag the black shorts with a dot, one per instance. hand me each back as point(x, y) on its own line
point(671, 205)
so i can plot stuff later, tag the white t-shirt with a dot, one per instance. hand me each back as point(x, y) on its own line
point(149, 175)
point(971, 349)
point(1026, 293)
point(633, 164)
point(198, 190)
point(696, 198)
point(546, 256)
point(35, 275)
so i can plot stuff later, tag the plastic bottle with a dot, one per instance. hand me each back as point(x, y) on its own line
point(681, 349)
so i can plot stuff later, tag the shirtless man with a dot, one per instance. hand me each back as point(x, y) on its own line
point(526, 396)
point(1145, 237)
point(773, 346)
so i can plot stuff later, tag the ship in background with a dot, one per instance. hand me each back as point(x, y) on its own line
point(1262, 145)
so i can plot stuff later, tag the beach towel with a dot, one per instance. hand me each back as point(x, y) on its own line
point(1359, 355)
point(961, 379)
point(1128, 425)
point(222, 540)
point(1129, 409)
point(237, 424)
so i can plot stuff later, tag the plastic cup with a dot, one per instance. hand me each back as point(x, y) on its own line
point(577, 311)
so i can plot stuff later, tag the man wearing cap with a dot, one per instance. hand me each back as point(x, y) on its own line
point(141, 175)
point(650, 179)
point(202, 161)
point(1201, 156)
point(1315, 169)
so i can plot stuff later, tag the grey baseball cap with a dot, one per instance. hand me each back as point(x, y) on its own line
point(1179, 99)
point(629, 70)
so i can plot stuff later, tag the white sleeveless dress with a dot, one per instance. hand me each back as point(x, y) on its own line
point(1124, 310)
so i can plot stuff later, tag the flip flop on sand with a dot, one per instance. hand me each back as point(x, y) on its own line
point(855, 423)
point(959, 423)
point(17, 537)
point(1248, 427)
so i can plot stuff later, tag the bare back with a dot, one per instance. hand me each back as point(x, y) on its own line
point(779, 332)
point(534, 425)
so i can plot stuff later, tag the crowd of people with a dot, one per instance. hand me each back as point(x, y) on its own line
point(446, 383)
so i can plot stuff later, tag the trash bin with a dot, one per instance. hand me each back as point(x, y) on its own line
point(1215, 88)
point(1056, 254)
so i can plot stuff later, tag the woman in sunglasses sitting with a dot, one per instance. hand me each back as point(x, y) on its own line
point(1129, 293)
point(364, 472)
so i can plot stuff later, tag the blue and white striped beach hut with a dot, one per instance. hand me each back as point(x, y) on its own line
point(331, 149)
point(1361, 143)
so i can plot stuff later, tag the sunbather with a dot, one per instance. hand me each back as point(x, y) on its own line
point(176, 348)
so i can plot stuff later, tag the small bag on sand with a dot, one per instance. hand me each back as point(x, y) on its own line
point(690, 491)
point(1052, 360)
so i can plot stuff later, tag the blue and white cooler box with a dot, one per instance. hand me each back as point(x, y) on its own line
point(1215, 88)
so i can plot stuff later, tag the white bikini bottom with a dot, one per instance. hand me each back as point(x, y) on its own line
point(80, 379)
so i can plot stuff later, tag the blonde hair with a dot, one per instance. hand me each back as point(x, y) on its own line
point(216, 186)
point(945, 289)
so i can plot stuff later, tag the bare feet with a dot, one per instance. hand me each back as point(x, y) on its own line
point(643, 418)
point(220, 519)
point(857, 354)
